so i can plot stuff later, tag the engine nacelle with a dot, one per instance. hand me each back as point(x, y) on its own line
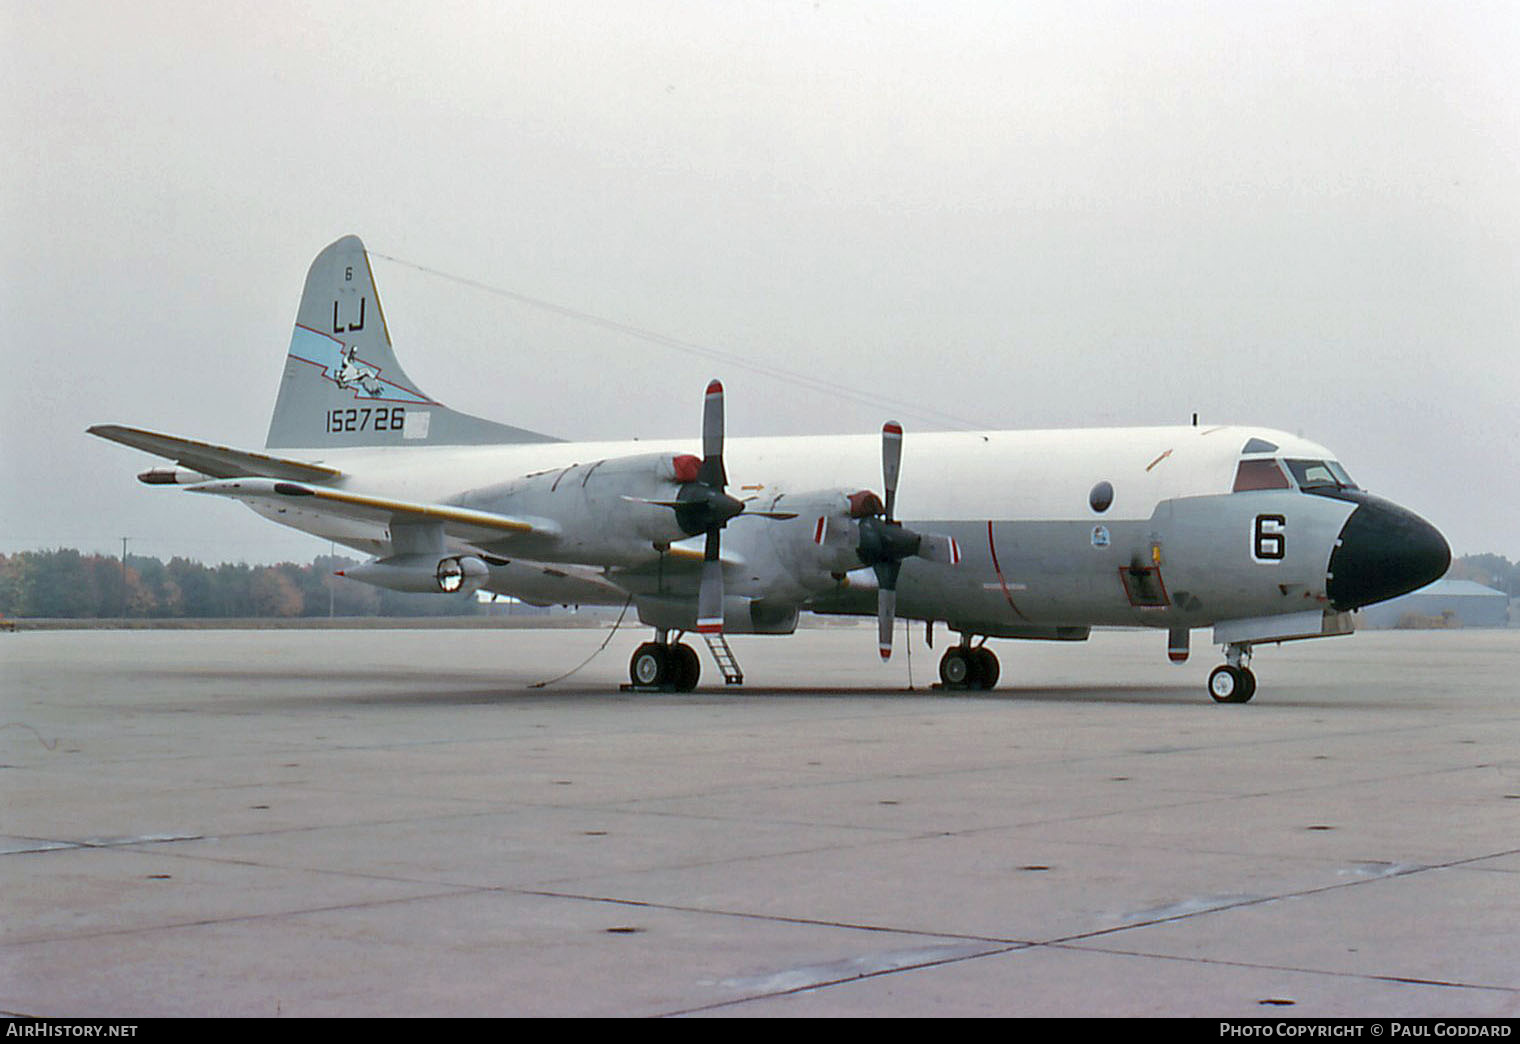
point(824, 542)
point(614, 511)
point(172, 477)
point(422, 574)
point(803, 555)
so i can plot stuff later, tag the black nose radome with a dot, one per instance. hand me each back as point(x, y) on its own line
point(1384, 551)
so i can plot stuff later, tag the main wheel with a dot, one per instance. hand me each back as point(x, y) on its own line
point(987, 669)
point(1231, 684)
point(958, 668)
point(1248, 685)
point(685, 667)
point(650, 665)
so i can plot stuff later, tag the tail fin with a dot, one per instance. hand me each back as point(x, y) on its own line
point(342, 384)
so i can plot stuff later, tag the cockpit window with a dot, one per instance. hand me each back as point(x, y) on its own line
point(1315, 474)
point(1259, 474)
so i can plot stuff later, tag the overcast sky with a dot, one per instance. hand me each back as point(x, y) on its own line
point(1032, 214)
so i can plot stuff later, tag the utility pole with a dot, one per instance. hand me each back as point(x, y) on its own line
point(124, 575)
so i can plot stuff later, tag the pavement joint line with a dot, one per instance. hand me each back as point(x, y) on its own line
point(208, 922)
point(1065, 942)
point(456, 889)
point(841, 981)
point(1259, 966)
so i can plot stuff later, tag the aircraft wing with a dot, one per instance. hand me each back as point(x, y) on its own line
point(213, 460)
point(461, 523)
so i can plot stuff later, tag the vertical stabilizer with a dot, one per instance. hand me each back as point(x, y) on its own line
point(342, 385)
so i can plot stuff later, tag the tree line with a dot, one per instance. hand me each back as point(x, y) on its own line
point(1494, 571)
point(67, 584)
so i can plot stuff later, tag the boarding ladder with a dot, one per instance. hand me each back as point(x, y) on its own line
point(723, 656)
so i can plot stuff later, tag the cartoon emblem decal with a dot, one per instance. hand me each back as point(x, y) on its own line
point(341, 364)
point(354, 372)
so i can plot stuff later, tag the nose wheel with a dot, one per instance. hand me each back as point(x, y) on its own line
point(1231, 684)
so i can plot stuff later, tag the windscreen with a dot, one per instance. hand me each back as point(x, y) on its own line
point(1318, 474)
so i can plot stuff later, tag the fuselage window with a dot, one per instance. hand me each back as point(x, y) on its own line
point(1101, 497)
point(1259, 474)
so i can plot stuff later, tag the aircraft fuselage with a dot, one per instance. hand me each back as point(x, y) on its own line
point(1044, 549)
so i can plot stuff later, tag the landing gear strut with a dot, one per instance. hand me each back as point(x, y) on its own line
point(966, 666)
point(1233, 681)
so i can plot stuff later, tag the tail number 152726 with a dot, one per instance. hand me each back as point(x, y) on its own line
point(366, 418)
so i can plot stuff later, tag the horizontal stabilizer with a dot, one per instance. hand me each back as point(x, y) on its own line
point(465, 524)
point(216, 461)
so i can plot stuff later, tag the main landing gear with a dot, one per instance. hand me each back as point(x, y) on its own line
point(661, 665)
point(1233, 682)
point(966, 666)
point(666, 666)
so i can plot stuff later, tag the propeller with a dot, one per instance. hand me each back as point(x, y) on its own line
point(703, 506)
point(885, 542)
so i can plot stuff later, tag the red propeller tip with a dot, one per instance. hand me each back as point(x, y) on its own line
point(715, 387)
point(891, 428)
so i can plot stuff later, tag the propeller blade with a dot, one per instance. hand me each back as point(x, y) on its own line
point(778, 515)
point(891, 462)
point(942, 549)
point(710, 596)
point(712, 473)
point(656, 503)
point(886, 618)
point(886, 603)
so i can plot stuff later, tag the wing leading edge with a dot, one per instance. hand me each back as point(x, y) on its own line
point(466, 525)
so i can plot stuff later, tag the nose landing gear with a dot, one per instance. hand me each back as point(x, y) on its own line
point(1233, 682)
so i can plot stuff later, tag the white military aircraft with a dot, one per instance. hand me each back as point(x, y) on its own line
point(1258, 534)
